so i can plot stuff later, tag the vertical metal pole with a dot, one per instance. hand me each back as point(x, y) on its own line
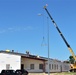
point(47, 41)
point(48, 44)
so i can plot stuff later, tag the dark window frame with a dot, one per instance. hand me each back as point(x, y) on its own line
point(40, 66)
point(31, 66)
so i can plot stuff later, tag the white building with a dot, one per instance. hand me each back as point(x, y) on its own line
point(32, 63)
point(9, 61)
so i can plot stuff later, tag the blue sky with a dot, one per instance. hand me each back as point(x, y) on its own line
point(21, 28)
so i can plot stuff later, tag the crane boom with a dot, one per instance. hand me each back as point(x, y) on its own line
point(70, 49)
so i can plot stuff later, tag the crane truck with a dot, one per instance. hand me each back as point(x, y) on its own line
point(72, 66)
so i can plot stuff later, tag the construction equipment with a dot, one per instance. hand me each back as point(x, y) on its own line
point(72, 66)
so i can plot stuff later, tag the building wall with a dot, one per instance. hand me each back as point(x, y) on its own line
point(65, 67)
point(27, 62)
point(57, 66)
point(53, 66)
point(9, 61)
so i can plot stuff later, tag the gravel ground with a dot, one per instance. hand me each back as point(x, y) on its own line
point(52, 73)
point(62, 74)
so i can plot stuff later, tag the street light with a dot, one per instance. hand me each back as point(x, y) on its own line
point(47, 39)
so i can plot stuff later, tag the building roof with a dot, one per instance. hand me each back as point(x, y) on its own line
point(27, 55)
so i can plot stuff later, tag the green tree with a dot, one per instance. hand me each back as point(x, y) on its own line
point(71, 59)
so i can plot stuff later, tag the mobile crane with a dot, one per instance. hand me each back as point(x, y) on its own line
point(72, 66)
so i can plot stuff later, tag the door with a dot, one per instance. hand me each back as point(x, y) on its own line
point(22, 66)
point(61, 68)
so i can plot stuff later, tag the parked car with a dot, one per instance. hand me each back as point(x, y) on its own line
point(10, 72)
point(18, 72)
point(7, 72)
point(21, 72)
point(13, 72)
point(3, 72)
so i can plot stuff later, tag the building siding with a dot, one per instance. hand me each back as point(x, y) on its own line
point(13, 61)
point(56, 66)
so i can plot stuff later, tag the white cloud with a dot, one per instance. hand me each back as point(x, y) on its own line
point(16, 29)
point(28, 28)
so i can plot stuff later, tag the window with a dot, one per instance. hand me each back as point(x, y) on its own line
point(54, 66)
point(7, 66)
point(50, 66)
point(57, 66)
point(40, 66)
point(31, 66)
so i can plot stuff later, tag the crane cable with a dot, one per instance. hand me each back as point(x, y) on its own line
point(43, 39)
